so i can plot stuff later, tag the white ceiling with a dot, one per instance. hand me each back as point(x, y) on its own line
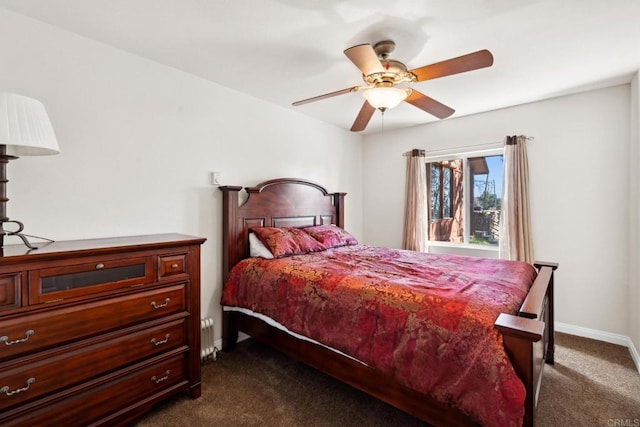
point(287, 50)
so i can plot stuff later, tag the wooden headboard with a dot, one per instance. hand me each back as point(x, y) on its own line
point(283, 202)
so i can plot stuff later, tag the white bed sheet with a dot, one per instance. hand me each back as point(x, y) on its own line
point(275, 324)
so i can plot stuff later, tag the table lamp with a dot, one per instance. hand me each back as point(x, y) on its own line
point(25, 130)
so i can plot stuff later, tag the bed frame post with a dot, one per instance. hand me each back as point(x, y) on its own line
point(229, 331)
point(549, 318)
point(229, 250)
point(529, 336)
point(229, 226)
point(338, 202)
point(522, 341)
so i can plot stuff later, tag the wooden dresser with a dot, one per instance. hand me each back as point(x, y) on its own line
point(94, 332)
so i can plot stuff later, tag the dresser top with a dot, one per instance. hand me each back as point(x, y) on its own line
point(11, 254)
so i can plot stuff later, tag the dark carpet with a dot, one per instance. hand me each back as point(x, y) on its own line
point(592, 384)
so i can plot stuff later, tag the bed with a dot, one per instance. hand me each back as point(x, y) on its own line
point(525, 331)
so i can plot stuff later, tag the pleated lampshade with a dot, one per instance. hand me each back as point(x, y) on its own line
point(25, 128)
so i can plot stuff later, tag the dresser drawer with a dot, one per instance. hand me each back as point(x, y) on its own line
point(29, 381)
point(95, 276)
point(44, 330)
point(172, 266)
point(107, 396)
point(10, 291)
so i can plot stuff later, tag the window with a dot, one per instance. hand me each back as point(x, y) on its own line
point(465, 198)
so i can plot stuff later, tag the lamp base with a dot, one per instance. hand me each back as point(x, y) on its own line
point(4, 160)
point(17, 233)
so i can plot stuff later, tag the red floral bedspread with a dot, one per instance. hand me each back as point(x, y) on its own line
point(424, 319)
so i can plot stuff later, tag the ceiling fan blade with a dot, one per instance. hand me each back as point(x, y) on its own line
point(325, 96)
point(363, 117)
point(461, 64)
point(429, 105)
point(365, 58)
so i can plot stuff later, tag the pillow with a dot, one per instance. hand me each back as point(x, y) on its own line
point(257, 248)
point(287, 241)
point(331, 236)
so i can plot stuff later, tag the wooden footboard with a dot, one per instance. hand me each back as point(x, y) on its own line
point(529, 336)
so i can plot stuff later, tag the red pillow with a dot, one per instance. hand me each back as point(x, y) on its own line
point(331, 236)
point(287, 241)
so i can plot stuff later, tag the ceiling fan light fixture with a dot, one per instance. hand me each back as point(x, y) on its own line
point(385, 97)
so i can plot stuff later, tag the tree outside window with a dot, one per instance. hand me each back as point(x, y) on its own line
point(440, 190)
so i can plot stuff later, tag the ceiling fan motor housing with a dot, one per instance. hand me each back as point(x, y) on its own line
point(384, 48)
point(394, 73)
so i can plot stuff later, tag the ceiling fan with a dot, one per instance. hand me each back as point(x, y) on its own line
point(384, 76)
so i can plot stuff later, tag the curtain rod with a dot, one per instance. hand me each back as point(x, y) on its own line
point(487, 145)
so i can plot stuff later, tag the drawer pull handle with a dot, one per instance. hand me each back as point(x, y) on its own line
point(6, 391)
point(174, 266)
point(157, 343)
point(99, 266)
point(157, 306)
point(159, 380)
point(5, 339)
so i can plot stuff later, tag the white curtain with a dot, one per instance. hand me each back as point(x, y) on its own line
point(515, 220)
point(416, 220)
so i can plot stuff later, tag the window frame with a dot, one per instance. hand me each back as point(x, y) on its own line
point(466, 191)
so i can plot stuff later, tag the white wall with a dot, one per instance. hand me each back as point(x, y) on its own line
point(579, 192)
point(634, 219)
point(139, 139)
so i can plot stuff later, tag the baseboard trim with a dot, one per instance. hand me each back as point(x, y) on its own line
point(595, 334)
point(218, 343)
point(592, 333)
point(634, 354)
